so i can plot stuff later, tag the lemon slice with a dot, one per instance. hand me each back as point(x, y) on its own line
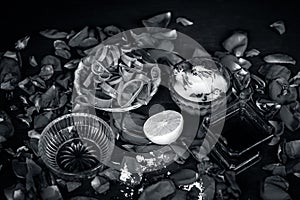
point(164, 127)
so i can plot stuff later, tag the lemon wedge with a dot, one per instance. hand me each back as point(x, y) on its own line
point(164, 128)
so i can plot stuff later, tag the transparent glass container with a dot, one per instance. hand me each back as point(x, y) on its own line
point(77, 145)
point(243, 132)
point(201, 107)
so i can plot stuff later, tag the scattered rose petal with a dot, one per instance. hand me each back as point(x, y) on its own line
point(276, 169)
point(246, 64)
point(102, 36)
point(64, 80)
point(293, 166)
point(169, 35)
point(281, 92)
point(11, 54)
point(274, 71)
point(184, 21)
point(100, 184)
point(51, 192)
point(278, 131)
point(85, 38)
point(26, 86)
point(22, 43)
point(292, 149)
point(19, 168)
point(111, 30)
point(184, 177)
point(279, 58)
point(32, 61)
point(10, 73)
point(60, 44)
point(63, 53)
point(38, 82)
point(290, 117)
point(236, 43)
point(72, 64)
point(209, 186)
point(46, 72)
point(72, 185)
point(279, 26)
point(252, 53)
point(158, 190)
point(231, 62)
point(161, 20)
point(34, 134)
point(52, 60)
point(275, 188)
point(42, 120)
point(54, 34)
point(71, 34)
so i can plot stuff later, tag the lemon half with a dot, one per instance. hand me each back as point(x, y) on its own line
point(164, 128)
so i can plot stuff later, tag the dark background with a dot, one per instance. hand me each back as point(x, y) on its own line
point(214, 20)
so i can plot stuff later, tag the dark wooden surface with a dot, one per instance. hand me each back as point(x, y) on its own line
point(213, 20)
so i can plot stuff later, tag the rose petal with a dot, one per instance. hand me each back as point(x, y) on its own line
point(52, 60)
point(293, 166)
point(291, 121)
point(209, 186)
point(111, 30)
point(184, 21)
point(279, 26)
point(273, 71)
point(169, 35)
point(100, 184)
point(280, 91)
point(32, 61)
point(236, 43)
point(53, 34)
point(22, 43)
point(246, 64)
point(184, 177)
point(72, 185)
point(85, 38)
point(60, 44)
point(276, 169)
point(275, 188)
point(158, 190)
point(72, 64)
point(46, 72)
point(231, 62)
point(279, 58)
point(42, 120)
point(161, 20)
point(292, 149)
point(252, 53)
point(63, 53)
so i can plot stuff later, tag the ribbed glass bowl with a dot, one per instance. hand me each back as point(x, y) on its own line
point(77, 145)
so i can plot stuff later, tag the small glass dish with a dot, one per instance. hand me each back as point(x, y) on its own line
point(76, 146)
point(200, 103)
